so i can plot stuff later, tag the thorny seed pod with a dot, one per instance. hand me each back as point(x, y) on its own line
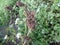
point(18, 3)
point(30, 20)
point(8, 8)
point(27, 38)
point(31, 25)
point(32, 13)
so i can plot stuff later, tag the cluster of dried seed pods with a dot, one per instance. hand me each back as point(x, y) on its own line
point(19, 4)
point(9, 8)
point(27, 39)
point(30, 19)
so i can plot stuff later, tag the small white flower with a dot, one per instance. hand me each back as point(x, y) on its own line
point(58, 4)
point(16, 22)
point(5, 37)
point(18, 35)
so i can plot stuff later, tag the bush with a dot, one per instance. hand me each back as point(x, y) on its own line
point(47, 27)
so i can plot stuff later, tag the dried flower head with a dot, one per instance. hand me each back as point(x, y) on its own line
point(30, 20)
point(9, 8)
point(18, 3)
point(27, 38)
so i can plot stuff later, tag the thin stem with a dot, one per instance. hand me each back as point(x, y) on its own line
point(29, 31)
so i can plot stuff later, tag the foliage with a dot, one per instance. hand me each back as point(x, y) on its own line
point(47, 17)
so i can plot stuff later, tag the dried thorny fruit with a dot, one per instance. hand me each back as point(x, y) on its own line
point(18, 3)
point(9, 8)
point(27, 38)
point(31, 25)
point(30, 19)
